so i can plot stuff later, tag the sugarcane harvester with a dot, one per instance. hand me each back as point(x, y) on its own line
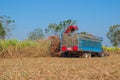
point(75, 44)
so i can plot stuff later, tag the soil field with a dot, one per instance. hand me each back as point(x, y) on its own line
point(52, 68)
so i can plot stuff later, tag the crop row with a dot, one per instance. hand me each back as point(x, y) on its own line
point(40, 48)
point(112, 50)
point(26, 48)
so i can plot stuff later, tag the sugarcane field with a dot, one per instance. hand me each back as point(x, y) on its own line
point(59, 40)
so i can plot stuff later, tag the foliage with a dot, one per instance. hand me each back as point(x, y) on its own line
point(56, 29)
point(6, 26)
point(36, 34)
point(66, 23)
point(114, 35)
point(4, 44)
point(27, 48)
point(112, 50)
point(84, 33)
point(2, 32)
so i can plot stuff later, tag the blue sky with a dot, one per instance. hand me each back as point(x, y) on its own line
point(92, 16)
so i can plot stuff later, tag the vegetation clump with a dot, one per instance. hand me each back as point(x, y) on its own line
point(26, 48)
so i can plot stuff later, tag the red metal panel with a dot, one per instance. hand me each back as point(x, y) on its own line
point(71, 28)
point(64, 48)
point(75, 48)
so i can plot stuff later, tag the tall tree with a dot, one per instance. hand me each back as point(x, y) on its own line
point(56, 29)
point(114, 35)
point(36, 34)
point(6, 26)
point(2, 32)
point(66, 23)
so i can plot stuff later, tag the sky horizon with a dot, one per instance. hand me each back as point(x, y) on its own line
point(92, 16)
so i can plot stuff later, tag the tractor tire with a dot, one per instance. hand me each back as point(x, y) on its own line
point(85, 55)
point(100, 55)
point(89, 55)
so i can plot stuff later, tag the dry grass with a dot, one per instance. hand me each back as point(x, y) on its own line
point(51, 68)
point(15, 48)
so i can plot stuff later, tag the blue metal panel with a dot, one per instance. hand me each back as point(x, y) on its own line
point(89, 45)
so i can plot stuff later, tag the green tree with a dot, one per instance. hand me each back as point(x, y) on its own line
point(2, 32)
point(114, 35)
point(36, 34)
point(84, 33)
point(6, 26)
point(66, 23)
point(56, 29)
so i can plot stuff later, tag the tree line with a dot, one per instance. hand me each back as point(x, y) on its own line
point(7, 25)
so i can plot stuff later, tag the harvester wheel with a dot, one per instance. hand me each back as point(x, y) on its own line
point(89, 55)
point(85, 55)
point(100, 55)
point(62, 54)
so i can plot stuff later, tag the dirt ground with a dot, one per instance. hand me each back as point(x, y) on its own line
point(53, 68)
